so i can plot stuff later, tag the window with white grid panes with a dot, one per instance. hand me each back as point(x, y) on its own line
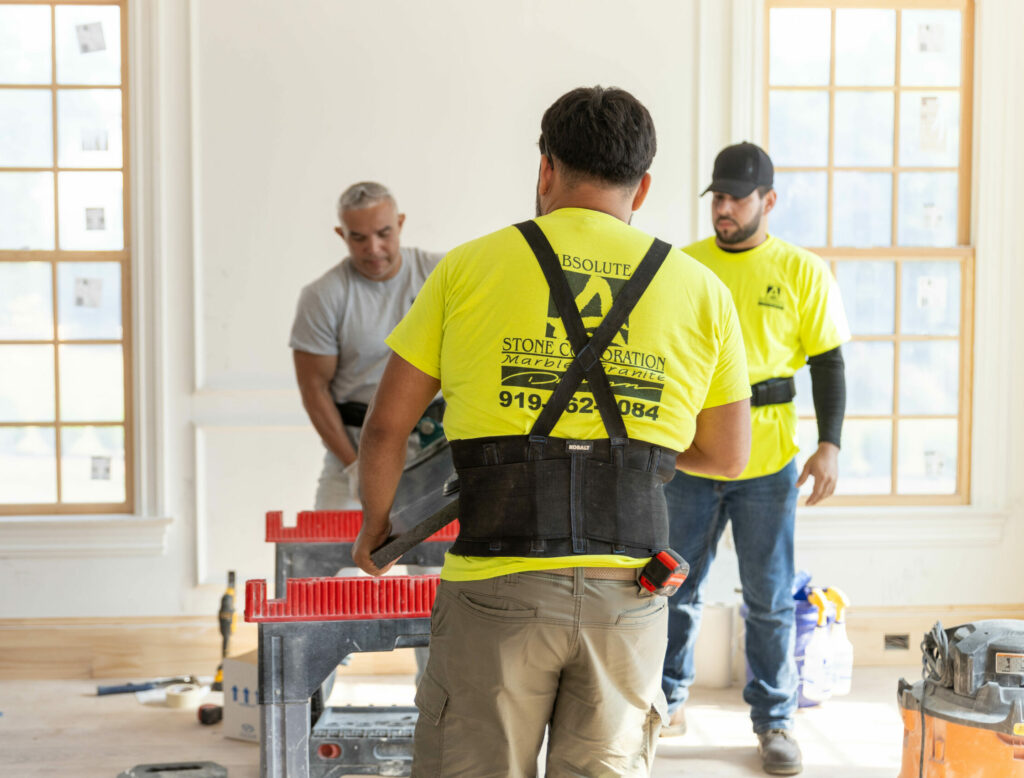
point(65, 370)
point(867, 120)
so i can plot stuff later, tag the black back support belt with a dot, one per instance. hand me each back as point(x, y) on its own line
point(353, 414)
point(772, 391)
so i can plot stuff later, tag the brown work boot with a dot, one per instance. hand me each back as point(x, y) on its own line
point(676, 725)
point(780, 755)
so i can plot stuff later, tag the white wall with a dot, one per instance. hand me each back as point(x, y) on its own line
point(252, 115)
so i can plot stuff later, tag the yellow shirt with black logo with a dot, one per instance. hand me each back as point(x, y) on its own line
point(485, 325)
point(790, 309)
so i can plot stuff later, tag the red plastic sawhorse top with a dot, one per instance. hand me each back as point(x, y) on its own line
point(341, 599)
point(332, 527)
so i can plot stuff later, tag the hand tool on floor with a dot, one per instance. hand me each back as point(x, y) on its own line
point(173, 769)
point(664, 573)
point(226, 618)
point(145, 686)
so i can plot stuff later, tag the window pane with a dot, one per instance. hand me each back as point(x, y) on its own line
point(930, 129)
point(928, 209)
point(91, 212)
point(26, 383)
point(929, 377)
point(862, 209)
point(26, 128)
point(28, 465)
point(24, 44)
point(864, 128)
point(868, 291)
point(799, 214)
point(865, 460)
point(865, 47)
point(26, 301)
point(91, 383)
point(90, 127)
point(799, 128)
point(930, 302)
point(804, 402)
point(92, 464)
point(930, 48)
point(89, 300)
point(26, 211)
point(88, 44)
point(869, 377)
point(927, 456)
point(799, 45)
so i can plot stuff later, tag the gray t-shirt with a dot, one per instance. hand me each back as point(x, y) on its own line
point(347, 314)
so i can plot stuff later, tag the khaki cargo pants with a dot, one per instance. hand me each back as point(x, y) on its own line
point(514, 655)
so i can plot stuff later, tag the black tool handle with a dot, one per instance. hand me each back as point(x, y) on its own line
point(126, 688)
point(397, 546)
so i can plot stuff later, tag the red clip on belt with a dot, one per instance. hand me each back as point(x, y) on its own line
point(340, 599)
point(332, 527)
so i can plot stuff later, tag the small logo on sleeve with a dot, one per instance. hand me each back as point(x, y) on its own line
point(772, 297)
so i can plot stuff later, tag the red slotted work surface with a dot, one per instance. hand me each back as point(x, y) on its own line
point(331, 527)
point(315, 527)
point(341, 599)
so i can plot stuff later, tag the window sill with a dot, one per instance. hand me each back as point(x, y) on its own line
point(82, 536)
point(917, 527)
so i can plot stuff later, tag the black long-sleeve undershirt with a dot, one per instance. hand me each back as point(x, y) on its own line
point(828, 388)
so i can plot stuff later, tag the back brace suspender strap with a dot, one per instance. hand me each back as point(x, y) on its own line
point(587, 362)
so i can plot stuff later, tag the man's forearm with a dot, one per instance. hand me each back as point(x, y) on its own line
point(326, 419)
point(381, 461)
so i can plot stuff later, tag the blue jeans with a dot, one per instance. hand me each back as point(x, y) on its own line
point(762, 511)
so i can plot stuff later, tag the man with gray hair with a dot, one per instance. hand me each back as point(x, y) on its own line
point(340, 325)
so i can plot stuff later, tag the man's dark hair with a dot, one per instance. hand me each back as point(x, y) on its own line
point(763, 190)
point(600, 133)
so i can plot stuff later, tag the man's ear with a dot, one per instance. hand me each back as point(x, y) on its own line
point(641, 191)
point(340, 231)
point(546, 176)
point(401, 220)
point(769, 201)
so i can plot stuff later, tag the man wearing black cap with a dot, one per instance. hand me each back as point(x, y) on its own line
point(790, 312)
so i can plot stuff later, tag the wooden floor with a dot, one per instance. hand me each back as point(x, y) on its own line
point(50, 728)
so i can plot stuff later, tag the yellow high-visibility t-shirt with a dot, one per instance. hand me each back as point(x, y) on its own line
point(790, 309)
point(486, 325)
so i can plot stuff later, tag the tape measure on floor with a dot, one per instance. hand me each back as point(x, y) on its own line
point(184, 695)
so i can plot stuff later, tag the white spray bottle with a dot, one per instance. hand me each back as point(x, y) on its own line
point(842, 648)
point(818, 654)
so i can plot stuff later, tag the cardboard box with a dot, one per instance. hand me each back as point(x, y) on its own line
point(241, 712)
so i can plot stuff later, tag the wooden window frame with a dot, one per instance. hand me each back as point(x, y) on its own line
point(899, 255)
point(55, 256)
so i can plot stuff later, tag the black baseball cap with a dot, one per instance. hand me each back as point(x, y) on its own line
point(741, 169)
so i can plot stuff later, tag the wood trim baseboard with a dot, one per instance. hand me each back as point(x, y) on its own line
point(142, 647)
point(868, 628)
point(150, 647)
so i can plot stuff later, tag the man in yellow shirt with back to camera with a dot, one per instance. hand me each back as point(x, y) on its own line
point(539, 622)
point(790, 312)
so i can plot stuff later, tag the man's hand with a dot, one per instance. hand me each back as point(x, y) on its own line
point(823, 466)
point(366, 543)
